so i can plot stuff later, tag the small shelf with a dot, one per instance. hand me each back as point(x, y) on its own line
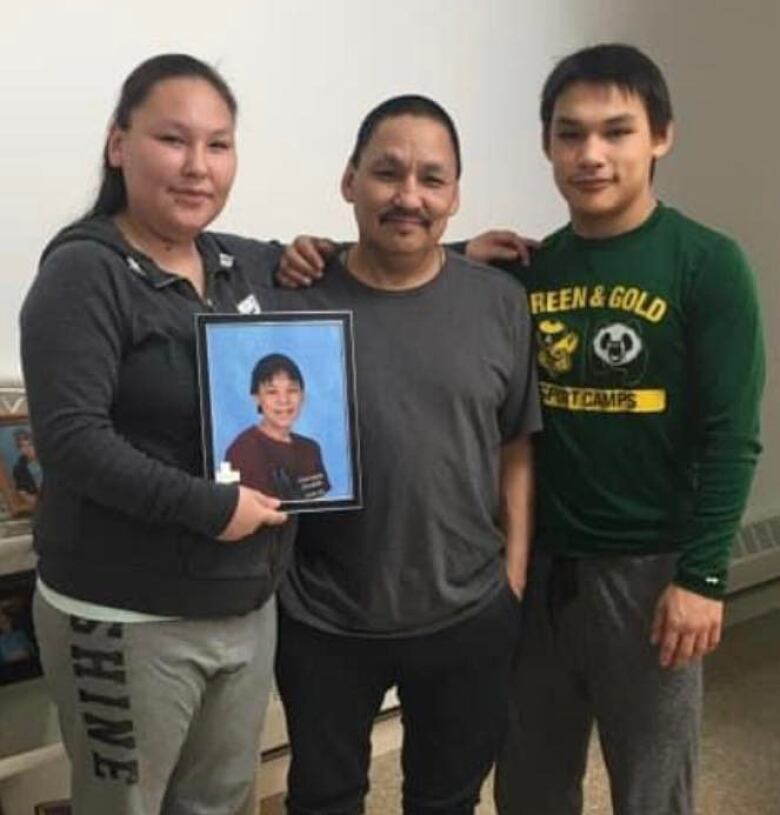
point(16, 554)
point(30, 760)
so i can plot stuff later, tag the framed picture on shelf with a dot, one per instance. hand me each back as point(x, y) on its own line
point(20, 471)
point(278, 406)
point(18, 648)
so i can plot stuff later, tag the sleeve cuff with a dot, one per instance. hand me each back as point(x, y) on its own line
point(211, 507)
point(713, 586)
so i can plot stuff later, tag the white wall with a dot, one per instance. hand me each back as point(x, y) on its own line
point(306, 71)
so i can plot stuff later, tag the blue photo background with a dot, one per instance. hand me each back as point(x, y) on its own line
point(317, 347)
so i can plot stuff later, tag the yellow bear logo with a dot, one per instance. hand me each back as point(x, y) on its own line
point(557, 344)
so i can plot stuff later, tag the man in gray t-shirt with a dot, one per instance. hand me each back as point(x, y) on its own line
point(420, 588)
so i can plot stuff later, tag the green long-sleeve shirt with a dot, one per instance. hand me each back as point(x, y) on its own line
point(651, 370)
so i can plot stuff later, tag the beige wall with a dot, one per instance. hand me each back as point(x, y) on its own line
point(305, 73)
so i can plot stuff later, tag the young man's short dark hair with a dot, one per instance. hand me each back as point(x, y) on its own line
point(406, 105)
point(269, 366)
point(611, 64)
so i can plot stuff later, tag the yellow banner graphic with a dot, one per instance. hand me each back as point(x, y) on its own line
point(597, 400)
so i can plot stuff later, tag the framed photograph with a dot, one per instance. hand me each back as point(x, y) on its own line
point(18, 648)
point(278, 406)
point(20, 471)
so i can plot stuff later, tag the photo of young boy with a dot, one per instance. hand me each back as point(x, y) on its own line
point(268, 456)
point(295, 437)
point(20, 471)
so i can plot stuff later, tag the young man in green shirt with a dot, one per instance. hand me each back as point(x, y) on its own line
point(651, 369)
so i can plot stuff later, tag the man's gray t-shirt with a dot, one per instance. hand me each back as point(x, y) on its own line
point(444, 378)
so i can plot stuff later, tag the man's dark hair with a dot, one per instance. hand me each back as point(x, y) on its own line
point(269, 366)
point(611, 64)
point(112, 194)
point(406, 105)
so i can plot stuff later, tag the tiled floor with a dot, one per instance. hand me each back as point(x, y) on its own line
point(740, 773)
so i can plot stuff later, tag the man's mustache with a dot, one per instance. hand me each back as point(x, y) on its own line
point(396, 213)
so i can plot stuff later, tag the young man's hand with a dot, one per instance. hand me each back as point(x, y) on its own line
point(303, 261)
point(501, 244)
point(686, 626)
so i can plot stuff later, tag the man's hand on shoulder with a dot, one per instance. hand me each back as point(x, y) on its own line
point(686, 626)
point(501, 245)
point(303, 261)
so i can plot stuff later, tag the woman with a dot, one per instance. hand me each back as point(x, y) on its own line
point(269, 456)
point(154, 607)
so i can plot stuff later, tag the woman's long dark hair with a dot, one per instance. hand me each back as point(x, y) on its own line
point(112, 194)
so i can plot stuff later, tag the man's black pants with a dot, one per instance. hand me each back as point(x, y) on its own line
point(453, 688)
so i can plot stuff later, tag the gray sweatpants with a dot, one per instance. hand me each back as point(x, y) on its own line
point(159, 718)
point(586, 656)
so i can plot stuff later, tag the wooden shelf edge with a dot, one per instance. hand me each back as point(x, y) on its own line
point(24, 762)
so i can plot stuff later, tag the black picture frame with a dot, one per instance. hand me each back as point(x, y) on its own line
point(18, 647)
point(302, 449)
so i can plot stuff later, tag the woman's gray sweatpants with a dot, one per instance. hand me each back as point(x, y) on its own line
point(159, 718)
point(586, 657)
